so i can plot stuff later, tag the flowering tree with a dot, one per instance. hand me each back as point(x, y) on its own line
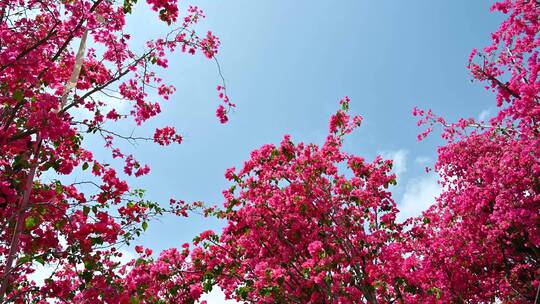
point(481, 240)
point(299, 231)
point(302, 230)
point(305, 224)
point(58, 58)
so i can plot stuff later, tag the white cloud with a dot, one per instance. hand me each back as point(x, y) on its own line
point(422, 160)
point(484, 115)
point(216, 296)
point(420, 193)
point(399, 159)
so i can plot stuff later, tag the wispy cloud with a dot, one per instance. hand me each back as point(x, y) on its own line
point(422, 160)
point(420, 193)
point(399, 159)
point(484, 115)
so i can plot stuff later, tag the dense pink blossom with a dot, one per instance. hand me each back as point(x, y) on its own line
point(481, 240)
point(300, 230)
point(49, 78)
point(303, 223)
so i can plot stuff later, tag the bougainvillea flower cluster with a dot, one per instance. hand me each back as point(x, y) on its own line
point(304, 223)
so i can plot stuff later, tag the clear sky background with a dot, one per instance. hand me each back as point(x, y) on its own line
point(286, 65)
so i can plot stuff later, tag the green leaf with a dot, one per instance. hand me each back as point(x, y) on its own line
point(86, 210)
point(89, 264)
point(345, 106)
point(30, 222)
point(18, 95)
point(59, 189)
point(40, 259)
point(242, 292)
point(85, 166)
point(96, 240)
point(174, 290)
point(87, 276)
point(60, 224)
point(435, 291)
point(144, 226)
point(25, 259)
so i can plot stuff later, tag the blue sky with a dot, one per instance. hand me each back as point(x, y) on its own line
point(286, 65)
